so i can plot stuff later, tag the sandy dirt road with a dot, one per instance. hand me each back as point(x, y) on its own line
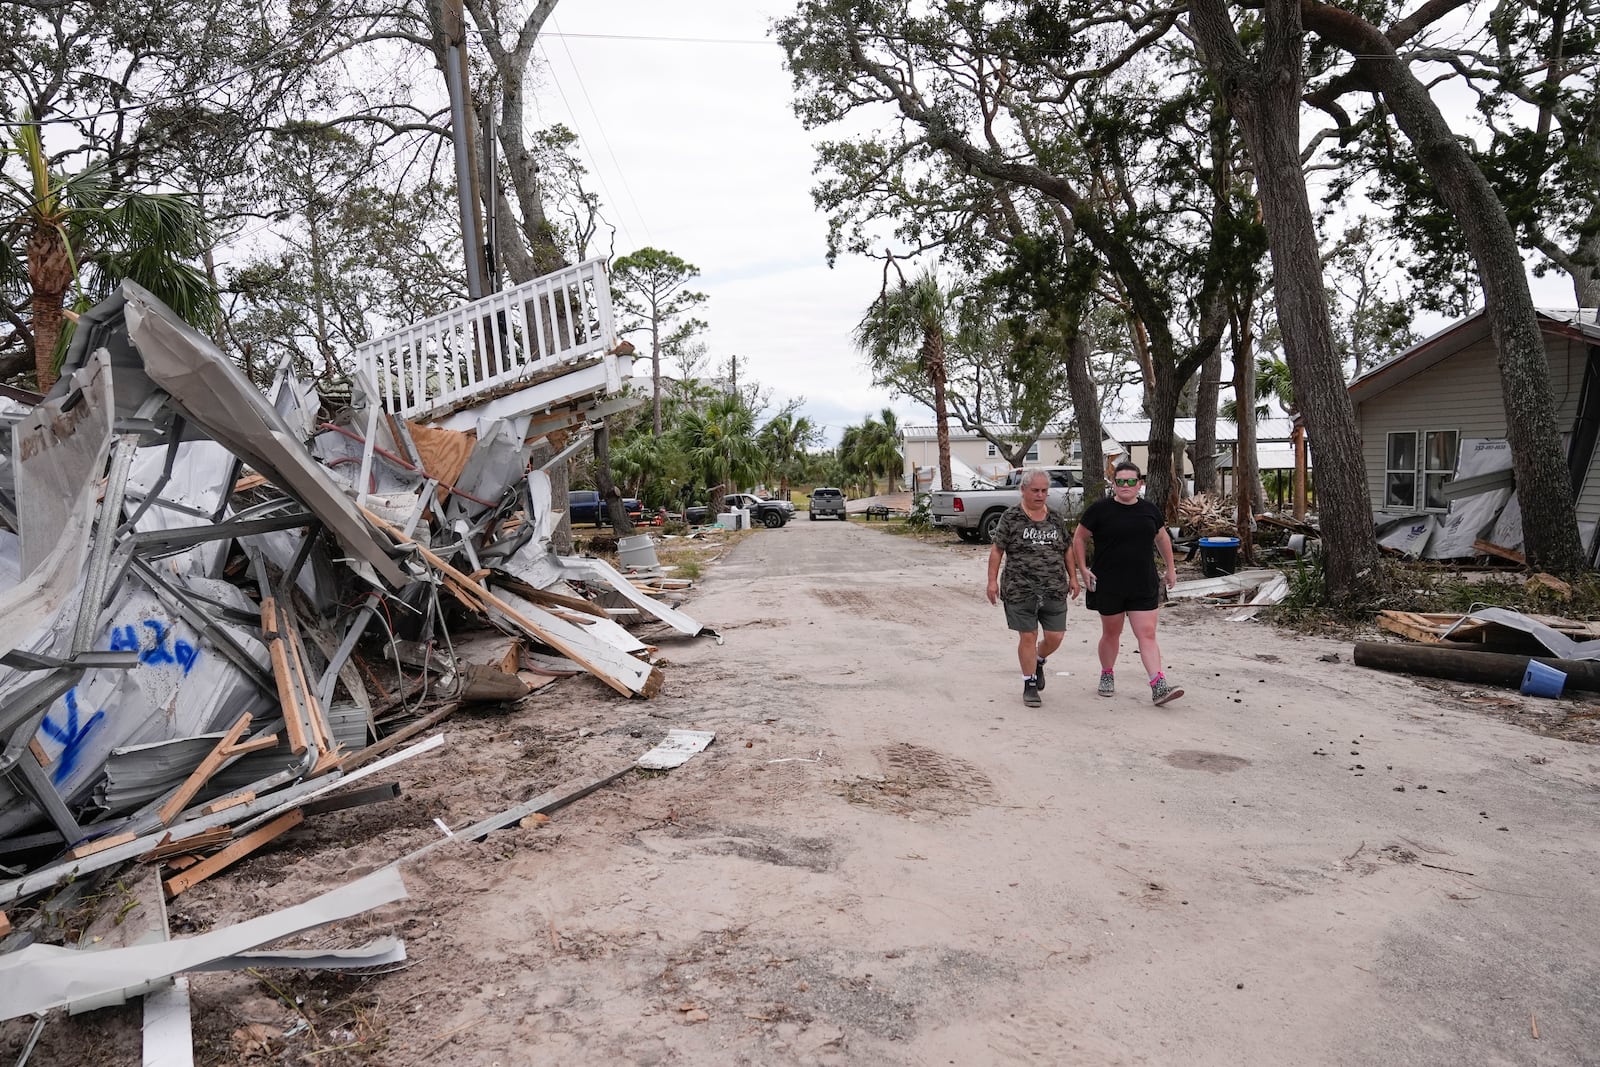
point(886, 858)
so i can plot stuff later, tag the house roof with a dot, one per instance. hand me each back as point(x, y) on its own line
point(1576, 323)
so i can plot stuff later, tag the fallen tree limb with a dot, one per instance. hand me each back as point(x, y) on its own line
point(1493, 668)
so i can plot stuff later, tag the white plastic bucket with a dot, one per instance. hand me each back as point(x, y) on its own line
point(637, 551)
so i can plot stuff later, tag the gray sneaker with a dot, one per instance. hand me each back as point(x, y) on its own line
point(1030, 693)
point(1038, 674)
point(1162, 691)
point(1108, 684)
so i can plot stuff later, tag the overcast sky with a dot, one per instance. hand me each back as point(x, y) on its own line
point(684, 112)
point(685, 118)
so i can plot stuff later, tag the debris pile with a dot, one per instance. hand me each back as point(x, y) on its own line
point(1489, 645)
point(216, 605)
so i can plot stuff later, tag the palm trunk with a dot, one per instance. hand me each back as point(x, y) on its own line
point(933, 356)
point(49, 275)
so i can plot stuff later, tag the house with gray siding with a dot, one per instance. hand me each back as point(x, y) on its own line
point(1415, 411)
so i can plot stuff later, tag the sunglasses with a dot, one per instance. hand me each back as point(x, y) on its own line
point(1125, 481)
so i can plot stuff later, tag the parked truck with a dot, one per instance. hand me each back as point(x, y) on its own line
point(972, 513)
point(769, 513)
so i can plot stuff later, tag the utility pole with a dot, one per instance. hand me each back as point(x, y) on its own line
point(451, 27)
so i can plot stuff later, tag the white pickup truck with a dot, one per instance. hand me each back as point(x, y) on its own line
point(972, 513)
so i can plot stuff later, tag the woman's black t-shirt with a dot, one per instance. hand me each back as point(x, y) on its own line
point(1124, 546)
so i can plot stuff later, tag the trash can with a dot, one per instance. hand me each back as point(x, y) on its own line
point(638, 551)
point(1542, 681)
point(1218, 556)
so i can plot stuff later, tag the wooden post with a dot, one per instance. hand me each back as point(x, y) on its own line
point(1300, 471)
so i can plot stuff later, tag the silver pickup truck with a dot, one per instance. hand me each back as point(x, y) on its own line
point(972, 513)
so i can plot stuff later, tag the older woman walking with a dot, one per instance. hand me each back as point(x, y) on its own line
point(1127, 531)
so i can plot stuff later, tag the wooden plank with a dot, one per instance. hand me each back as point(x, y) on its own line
point(39, 754)
point(233, 853)
point(5, 924)
point(1406, 624)
point(101, 845)
point(308, 696)
point(224, 803)
point(293, 725)
point(543, 597)
point(198, 777)
point(474, 595)
point(1488, 548)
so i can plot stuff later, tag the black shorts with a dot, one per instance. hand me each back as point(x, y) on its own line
point(1113, 602)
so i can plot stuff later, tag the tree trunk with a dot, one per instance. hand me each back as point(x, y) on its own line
point(655, 375)
point(1246, 478)
point(1544, 487)
point(933, 354)
point(615, 510)
point(1266, 104)
point(1205, 423)
point(1162, 482)
point(49, 275)
point(1086, 405)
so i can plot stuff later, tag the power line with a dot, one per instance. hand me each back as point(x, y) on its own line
point(600, 127)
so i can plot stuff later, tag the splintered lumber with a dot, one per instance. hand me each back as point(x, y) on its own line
point(612, 666)
point(290, 628)
point(294, 726)
point(544, 597)
point(5, 924)
point(1428, 628)
point(1489, 548)
point(233, 853)
point(1494, 668)
point(226, 749)
point(100, 846)
point(168, 848)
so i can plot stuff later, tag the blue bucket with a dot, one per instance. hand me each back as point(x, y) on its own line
point(1542, 681)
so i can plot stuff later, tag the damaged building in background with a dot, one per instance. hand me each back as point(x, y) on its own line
point(215, 602)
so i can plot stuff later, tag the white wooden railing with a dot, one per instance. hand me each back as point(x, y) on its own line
point(477, 350)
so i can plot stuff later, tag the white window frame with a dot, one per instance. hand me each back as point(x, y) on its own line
point(1390, 471)
point(1444, 473)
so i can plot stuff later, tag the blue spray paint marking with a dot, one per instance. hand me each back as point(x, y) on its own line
point(70, 736)
point(182, 653)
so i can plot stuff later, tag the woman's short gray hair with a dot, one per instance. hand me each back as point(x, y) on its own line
point(1030, 473)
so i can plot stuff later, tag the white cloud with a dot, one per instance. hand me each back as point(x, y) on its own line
point(697, 151)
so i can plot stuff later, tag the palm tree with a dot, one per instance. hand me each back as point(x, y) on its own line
point(1272, 382)
point(909, 323)
point(883, 453)
point(785, 438)
point(720, 445)
point(65, 230)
